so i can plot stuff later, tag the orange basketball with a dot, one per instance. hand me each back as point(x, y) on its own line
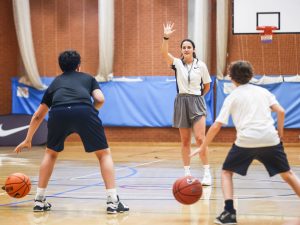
point(187, 190)
point(17, 185)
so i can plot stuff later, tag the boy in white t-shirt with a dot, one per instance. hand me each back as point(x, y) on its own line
point(250, 107)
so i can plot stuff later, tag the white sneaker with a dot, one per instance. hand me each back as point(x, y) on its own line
point(41, 206)
point(206, 180)
point(115, 207)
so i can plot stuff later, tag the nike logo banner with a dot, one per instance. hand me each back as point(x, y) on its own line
point(4, 133)
point(13, 130)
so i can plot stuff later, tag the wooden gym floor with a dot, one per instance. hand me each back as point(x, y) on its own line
point(145, 173)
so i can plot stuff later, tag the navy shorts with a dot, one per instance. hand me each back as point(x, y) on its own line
point(273, 158)
point(75, 118)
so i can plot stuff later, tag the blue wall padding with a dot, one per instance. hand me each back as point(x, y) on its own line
point(145, 101)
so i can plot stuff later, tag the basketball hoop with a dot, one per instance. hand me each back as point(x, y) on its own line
point(267, 35)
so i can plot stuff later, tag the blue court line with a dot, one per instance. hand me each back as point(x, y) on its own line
point(133, 172)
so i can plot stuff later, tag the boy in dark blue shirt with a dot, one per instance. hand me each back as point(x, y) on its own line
point(72, 111)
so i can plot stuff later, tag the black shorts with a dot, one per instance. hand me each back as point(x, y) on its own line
point(273, 158)
point(75, 118)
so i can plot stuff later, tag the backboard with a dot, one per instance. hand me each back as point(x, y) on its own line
point(247, 15)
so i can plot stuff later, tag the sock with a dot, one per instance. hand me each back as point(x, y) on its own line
point(187, 170)
point(229, 206)
point(206, 168)
point(40, 194)
point(112, 193)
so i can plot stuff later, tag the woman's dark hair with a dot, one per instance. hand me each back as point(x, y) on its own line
point(69, 60)
point(193, 44)
point(240, 71)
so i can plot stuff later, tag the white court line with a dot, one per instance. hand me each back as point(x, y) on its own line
point(263, 197)
point(123, 168)
point(271, 199)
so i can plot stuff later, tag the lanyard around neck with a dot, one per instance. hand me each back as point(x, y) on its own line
point(189, 71)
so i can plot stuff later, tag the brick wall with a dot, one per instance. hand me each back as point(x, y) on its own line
point(138, 35)
point(127, 134)
point(58, 25)
point(281, 57)
point(9, 55)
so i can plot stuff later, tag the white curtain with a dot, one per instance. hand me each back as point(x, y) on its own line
point(106, 39)
point(222, 36)
point(199, 27)
point(21, 10)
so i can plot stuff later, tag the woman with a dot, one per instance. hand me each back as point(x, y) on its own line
point(193, 82)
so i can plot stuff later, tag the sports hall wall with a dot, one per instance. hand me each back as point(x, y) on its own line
point(58, 25)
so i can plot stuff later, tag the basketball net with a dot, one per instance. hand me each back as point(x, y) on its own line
point(267, 34)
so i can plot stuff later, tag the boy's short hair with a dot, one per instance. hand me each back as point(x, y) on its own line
point(240, 71)
point(69, 60)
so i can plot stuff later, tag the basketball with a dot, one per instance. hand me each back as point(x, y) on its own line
point(187, 190)
point(17, 185)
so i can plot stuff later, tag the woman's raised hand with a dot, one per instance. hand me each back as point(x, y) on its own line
point(168, 29)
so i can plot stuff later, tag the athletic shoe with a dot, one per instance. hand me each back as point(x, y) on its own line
point(226, 218)
point(206, 180)
point(116, 207)
point(41, 206)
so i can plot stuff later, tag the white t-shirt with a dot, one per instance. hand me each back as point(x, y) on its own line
point(249, 107)
point(198, 73)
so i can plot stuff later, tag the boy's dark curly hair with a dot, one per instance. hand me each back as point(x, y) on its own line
point(69, 60)
point(240, 71)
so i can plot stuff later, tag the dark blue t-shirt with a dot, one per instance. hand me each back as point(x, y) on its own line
point(69, 88)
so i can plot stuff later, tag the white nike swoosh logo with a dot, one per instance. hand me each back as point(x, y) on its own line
point(4, 133)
